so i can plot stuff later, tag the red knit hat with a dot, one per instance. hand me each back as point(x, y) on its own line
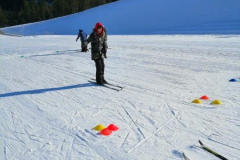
point(96, 28)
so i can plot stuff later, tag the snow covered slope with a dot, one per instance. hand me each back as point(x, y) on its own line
point(146, 17)
point(48, 108)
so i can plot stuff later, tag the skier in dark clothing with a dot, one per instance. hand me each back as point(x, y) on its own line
point(98, 39)
point(83, 36)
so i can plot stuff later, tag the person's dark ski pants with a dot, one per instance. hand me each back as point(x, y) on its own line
point(99, 63)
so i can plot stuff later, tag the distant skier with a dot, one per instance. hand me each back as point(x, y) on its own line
point(83, 36)
point(98, 39)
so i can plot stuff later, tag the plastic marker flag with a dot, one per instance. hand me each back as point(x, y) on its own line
point(232, 80)
point(99, 127)
point(112, 127)
point(106, 132)
point(204, 97)
point(197, 101)
point(216, 102)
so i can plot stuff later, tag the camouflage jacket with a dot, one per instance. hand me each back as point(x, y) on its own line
point(97, 44)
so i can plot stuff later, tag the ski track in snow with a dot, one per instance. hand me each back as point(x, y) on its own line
point(48, 108)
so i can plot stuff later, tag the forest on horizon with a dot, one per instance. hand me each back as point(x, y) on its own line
point(16, 12)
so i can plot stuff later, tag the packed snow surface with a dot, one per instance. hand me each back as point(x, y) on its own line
point(48, 108)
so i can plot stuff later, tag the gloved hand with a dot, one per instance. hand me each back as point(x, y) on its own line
point(85, 44)
point(105, 55)
point(104, 51)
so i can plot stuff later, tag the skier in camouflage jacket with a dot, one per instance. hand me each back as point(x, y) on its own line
point(98, 39)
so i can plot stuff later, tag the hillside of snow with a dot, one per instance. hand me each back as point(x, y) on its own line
point(128, 17)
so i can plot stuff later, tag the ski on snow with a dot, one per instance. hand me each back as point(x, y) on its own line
point(106, 85)
point(211, 151)
point(185, 157)
point(111, 84)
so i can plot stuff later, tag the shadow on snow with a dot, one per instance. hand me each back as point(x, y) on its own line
point(39, 91)
point(59, 53)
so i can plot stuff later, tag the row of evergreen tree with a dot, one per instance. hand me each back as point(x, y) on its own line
point(15, 12)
